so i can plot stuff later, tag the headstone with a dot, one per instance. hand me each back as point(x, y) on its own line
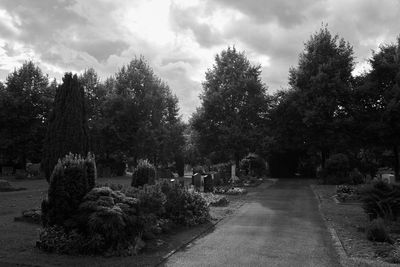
point(208, 183)
point(233, 173)
point(198, 182)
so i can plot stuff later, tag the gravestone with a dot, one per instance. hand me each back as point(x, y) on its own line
point(208, 183)
point(233, 173)
point(198, 182)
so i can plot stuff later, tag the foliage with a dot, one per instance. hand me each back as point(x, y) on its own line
point(215, 200)
point(139, 116)
point(184, 207)
point(381, 200)
point(233, 108)
point(56, 239)
point(72, 178)
point(356, 177)
point(144, 173)
point(337, 169)
point(253, 164)
point(108, 214)
point(68, 129)
point(151, 207)
point(24, 105)
point(106, 221)
point(347, 193)
point(228, 190)
point(376, 231)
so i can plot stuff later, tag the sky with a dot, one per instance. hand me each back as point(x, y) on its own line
point(180, 38)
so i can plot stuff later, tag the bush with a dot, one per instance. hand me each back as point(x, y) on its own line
point(336, 170)
point(253, 165)
point(381, 200)
point(144, 173)
point(109, 214)
point(184, 207)
point(376, 231)
point(55, 239)
point(72, 178)
point(151, 208)
point(356, 177)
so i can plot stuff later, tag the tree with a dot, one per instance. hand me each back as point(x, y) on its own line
point(378, 108)
point(234, 104)
point(24, 105)
point(323, 82)
point(140, 116)
point(68, 127)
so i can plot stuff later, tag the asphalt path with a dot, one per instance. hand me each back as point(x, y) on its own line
point(277, 226)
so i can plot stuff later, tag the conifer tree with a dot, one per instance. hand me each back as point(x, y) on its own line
point(68, 129)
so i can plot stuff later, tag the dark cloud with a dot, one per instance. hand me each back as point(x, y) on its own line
point(187, 19)
point(100, 49)
point(286, 13)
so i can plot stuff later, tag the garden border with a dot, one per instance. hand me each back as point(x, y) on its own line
point(344, 258)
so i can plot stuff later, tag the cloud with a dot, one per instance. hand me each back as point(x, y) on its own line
point(180, 38)
point(183, 19)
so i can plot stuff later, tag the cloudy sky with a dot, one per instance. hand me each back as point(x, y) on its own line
point(180, 38)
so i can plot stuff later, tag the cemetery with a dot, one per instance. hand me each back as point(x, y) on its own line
point(106, 172)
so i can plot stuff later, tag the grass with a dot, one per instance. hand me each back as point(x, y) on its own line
point(349, 222)
point(17, 242)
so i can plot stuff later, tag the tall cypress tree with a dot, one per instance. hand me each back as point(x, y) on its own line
point(68, 128)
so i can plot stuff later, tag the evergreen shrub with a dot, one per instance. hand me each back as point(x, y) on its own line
point(72, 178)
point(381, 199)
point(144, 173)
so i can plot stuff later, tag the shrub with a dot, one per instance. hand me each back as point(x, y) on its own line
point(56, 239)
point(336, 170)
point(253, 165)
point(144, 173)
point(381, 200)
point(184, 207)
point(72, 178)
point(356, 177)
point(151, 208)
point(109, 215)
point(376, 231)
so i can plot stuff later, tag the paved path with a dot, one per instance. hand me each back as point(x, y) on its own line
point(278, 226)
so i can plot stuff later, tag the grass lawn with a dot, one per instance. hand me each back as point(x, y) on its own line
point(349, 222)
point(17, 239)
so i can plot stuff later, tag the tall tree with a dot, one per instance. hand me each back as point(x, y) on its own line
point(233, 107)
point(24, 105)
point(378, 110)
point(141, 116)
point(323, 81)
point(68, 127)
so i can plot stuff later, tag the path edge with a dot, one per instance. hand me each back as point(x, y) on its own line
point(344, 259)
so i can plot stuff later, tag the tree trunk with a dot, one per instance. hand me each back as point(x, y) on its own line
point(396, 162)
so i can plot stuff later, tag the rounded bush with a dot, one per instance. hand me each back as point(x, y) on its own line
point(376, 231)
point(253, 165)
point(184, 207)
point(72, 177)
point(144, 173)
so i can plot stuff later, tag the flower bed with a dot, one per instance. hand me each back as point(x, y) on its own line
point(229, 190)
point(348, 193)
